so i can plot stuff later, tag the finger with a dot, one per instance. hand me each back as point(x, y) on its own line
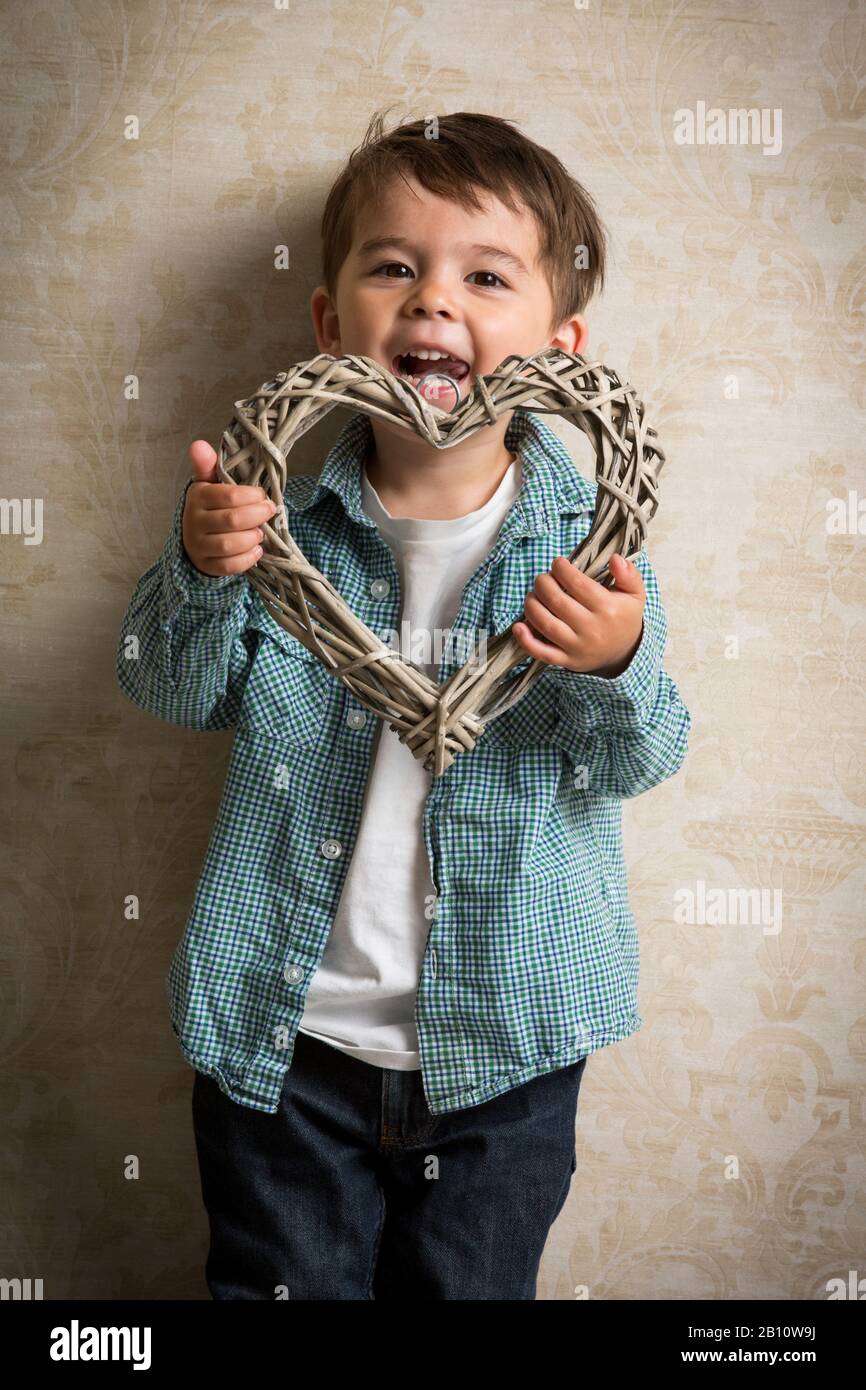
point(220, 546)
point(561, 604)
point(216, 521)
point(548, 627)
point(548, 632)
point(628, 577)
point(203, 458)
point(592, 595)
point(231, 495)
point(542, 651)
point(231, 564)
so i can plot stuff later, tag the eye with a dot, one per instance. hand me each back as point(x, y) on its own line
point(382, 270)
point(495, 277)
point(388, 266)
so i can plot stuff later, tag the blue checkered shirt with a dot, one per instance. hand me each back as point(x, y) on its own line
point(532, 954)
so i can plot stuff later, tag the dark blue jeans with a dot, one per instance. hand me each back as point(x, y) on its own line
point(354, 1190)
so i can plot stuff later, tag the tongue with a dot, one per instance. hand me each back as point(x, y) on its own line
point(419, 366)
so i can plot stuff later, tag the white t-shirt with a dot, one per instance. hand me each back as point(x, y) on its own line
point(362, 997)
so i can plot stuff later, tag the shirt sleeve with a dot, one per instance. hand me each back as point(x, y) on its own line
point(630, 731)
point(184, 653)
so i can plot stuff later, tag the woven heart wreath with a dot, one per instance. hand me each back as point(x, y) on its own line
point(435, 723)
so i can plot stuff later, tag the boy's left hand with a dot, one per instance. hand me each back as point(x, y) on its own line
point(575, 622)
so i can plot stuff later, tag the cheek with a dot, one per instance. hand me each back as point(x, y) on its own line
point(361, 315)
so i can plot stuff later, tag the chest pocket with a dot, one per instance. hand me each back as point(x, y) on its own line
point(533, 718)
point(287, 691)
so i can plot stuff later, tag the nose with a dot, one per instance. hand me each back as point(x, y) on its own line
point(430, 297)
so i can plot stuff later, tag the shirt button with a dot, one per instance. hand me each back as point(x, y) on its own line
point(356, 718)
point(293, 974)
point(332, 849)
point(380, 588)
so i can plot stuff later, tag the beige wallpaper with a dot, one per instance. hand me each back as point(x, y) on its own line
point(156, 158)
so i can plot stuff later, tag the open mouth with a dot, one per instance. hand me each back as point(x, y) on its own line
point(413, 368)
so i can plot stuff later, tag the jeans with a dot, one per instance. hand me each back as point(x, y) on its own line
point(353, 1189)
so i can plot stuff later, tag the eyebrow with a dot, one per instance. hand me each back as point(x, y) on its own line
point(380, 243)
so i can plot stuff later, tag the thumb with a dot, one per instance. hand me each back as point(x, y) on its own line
point(626, 574)
point(203, 458)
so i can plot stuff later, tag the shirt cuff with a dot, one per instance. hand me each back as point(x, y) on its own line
point(182, 583)
point(620, 703)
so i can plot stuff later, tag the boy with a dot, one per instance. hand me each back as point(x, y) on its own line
point(389, 984)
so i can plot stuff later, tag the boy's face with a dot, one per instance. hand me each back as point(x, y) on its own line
point(426, 283)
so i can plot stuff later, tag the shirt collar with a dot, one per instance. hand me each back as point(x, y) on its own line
point(551, 484)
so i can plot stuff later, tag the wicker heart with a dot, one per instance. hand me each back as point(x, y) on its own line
point(436, 723)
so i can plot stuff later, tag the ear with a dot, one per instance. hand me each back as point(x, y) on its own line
point(572, 335)
point(326, 324)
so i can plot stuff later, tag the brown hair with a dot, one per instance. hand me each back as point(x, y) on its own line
point(473, 151)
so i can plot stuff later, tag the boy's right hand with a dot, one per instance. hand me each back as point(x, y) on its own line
point(221, 523)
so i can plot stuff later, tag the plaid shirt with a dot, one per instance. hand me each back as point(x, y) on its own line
point(532, 953)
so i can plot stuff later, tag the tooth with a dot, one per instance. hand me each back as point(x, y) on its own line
point(427, 354)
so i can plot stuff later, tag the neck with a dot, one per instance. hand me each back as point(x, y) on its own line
point(415, 480)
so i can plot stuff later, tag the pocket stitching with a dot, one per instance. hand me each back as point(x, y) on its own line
point(261, 723)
